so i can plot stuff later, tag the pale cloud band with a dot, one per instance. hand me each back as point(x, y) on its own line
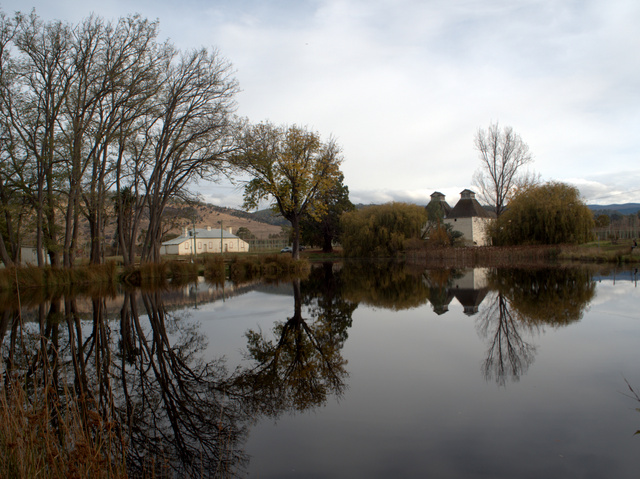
point(404, 85)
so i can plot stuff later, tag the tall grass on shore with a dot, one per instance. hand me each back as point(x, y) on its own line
point(33, 284)
point(35, 277)
point(618, 252)
point(52, 434)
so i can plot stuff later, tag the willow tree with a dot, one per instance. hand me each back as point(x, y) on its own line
point(552, 213)
point(381, 230)
point(290, 166)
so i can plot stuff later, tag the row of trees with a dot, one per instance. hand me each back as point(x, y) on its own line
point(100, 117)
point(100, 122)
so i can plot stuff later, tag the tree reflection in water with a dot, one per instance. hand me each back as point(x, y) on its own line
point(143, 388)
point(386, 284)
point(508, 355)
point(175, 405)
point(524, 301)
point(303, 366)
point(147, 396)
point(144, 391)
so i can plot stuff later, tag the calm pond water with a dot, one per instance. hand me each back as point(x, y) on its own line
point(361, 371)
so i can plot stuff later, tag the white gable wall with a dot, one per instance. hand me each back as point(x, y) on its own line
point(472, 229)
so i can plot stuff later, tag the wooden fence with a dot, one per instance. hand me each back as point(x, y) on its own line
point(271, 244)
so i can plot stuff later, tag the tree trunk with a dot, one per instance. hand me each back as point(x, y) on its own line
point(295, 247)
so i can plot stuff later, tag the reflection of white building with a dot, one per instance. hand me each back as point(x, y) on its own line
point(204, 240)
point(471, 289)
point(475, 278)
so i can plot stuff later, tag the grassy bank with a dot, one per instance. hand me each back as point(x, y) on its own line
point(619, 252)
point(33, 284)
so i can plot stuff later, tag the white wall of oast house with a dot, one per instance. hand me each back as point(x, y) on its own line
point(472, 229)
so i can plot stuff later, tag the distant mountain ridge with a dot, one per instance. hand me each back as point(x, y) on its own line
point(623, 209)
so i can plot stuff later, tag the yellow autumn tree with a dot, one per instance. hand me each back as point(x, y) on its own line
point(288, 165)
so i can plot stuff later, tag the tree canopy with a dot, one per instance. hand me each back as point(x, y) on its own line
point(551, 213)
point(324, 228)
point(381, 230)
point(289, 165)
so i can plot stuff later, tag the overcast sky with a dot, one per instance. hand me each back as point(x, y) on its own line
point(403, 85)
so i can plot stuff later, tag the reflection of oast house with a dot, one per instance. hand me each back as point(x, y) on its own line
point(467, 216)
point(470, 290)
point(207, 240)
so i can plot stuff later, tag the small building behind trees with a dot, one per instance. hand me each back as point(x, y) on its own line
point(29, 256)
point(204, 240)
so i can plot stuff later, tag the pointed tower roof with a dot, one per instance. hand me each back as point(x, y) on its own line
point(468, 207)
point(438, 198)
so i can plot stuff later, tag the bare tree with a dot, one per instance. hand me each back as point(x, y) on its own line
point(33, 105)
point(503, 155)
point(99, 109)
point(186, 138)
point(127, 80)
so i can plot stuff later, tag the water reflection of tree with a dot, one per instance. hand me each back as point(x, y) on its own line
point(551, 296)
point(523, 302)
point(144, 390)
point(174, 403)
point(390, 285)
point(148, 396)
point(303, 366)
point(322, 294)
point(508, 355)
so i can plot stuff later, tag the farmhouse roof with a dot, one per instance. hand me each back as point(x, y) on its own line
point(468, 207)
point(202, 233)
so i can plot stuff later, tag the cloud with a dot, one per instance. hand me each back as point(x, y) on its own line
point(404, 85)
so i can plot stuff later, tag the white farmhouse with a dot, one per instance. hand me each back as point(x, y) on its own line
point(204, 240)
point(471, 219)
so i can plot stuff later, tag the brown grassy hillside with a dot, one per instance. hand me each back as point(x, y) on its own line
point(210, 215)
